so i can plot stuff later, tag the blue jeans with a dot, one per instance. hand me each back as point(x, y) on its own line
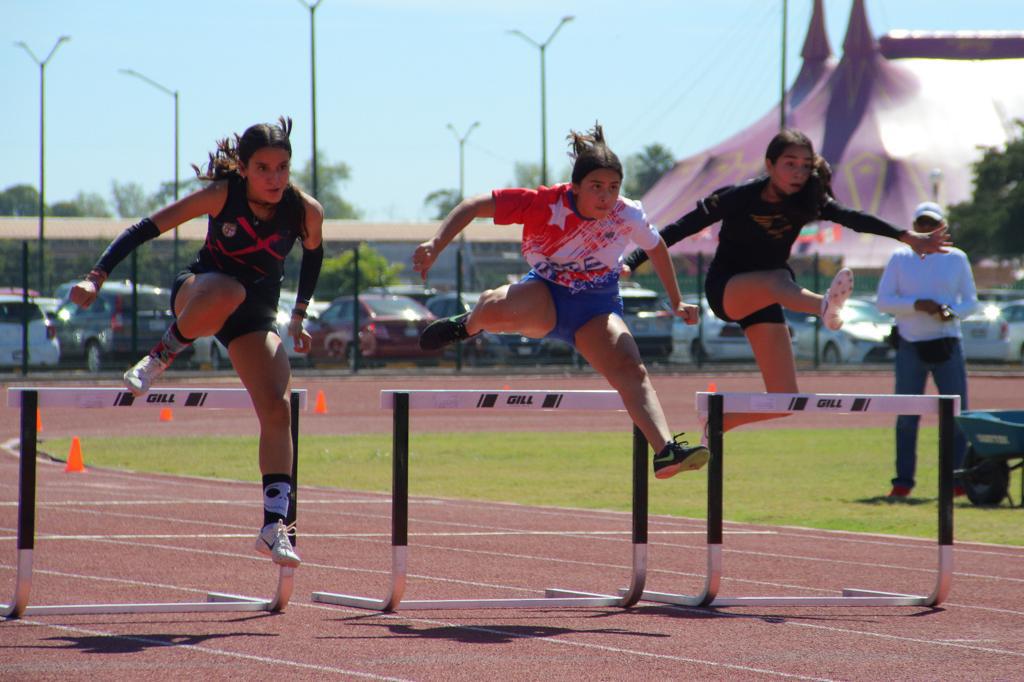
point(911, 375)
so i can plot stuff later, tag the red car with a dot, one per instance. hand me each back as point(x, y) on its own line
point(389, 329)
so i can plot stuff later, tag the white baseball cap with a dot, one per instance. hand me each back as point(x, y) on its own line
point(929, 209)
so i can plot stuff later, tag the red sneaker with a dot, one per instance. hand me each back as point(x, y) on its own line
point(899, 491)
point(959, 491)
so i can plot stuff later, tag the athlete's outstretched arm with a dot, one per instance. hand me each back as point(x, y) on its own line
point(481, 206)
point(208, 200)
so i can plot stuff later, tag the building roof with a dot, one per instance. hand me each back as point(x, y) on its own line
point(27, 228)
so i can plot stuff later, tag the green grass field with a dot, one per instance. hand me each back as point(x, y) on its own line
point(832, 479)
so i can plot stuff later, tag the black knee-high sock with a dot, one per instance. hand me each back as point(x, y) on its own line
point(276, 488)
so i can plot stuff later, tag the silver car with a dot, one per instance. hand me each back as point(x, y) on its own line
point(43, 346)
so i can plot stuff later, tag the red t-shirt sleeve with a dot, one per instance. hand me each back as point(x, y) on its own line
point(512, 205)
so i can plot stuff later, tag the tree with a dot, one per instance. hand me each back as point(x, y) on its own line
point(85, 204)
point(19, 200)
point(336, 275)
point(526, 174)
point(130, 199)
point(646, 168)
point(442, 201)
point(990, 223)
point(329, 176)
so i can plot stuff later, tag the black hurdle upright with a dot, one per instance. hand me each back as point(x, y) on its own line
point(29, 402)
point(553, 597)
point(946, 410)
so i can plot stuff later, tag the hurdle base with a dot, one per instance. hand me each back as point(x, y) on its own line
point(216, 602)
point(879, 599)
point(444, 604)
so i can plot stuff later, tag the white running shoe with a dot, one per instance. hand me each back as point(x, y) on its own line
point(140, 377)
point(835, 298)
point(273, 542)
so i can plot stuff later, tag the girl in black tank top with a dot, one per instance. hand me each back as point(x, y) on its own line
point(231, 290)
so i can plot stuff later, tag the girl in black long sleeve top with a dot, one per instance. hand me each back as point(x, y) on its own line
point(749, 280)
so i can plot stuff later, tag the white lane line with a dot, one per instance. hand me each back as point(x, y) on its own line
point(209, 650)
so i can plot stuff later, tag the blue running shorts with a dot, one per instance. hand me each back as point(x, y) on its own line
point(572, 311)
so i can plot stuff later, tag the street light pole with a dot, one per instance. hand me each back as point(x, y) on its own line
point(42, 151)
point(542, 47)
point(311, 6)
point(462, 159)
point(174, 94)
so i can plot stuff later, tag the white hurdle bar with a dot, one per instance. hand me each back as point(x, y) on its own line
point(716, 405)
point(30, 399)
point(400, 402)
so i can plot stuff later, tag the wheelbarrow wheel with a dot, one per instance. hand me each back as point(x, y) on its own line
point(986, 479)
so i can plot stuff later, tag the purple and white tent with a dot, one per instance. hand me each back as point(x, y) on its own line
point(899, 119)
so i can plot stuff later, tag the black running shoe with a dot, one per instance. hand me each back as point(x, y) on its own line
point(676, 457)
point(444, 332)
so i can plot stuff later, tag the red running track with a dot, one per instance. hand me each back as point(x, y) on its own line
point(106, 536)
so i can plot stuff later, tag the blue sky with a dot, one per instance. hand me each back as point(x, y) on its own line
point(391, 74)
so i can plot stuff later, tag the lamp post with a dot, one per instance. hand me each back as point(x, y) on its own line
point(42, 150)
point(311, 6)
point(462, 159)
point(174, 94)
point(543, 94)
point(936, 177)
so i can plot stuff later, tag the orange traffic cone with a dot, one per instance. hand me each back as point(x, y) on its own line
point(321, 403)
point(39, 421)
point(75, 464)
point(166, 415)
point(712, 388)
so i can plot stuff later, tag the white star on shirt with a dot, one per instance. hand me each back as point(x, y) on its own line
point(559, 212)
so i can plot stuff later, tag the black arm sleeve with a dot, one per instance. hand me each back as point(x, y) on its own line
point(858, 221)
point(708, 211)
point(126, 242)
point(309, 273)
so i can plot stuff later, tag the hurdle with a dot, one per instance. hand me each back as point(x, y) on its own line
point(716, 405)
point(30, 399)
point(400, 402)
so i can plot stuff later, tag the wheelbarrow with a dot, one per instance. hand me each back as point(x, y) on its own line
point(995, 438)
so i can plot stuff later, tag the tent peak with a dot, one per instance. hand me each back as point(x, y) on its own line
point(816, 46)
point(859, 41)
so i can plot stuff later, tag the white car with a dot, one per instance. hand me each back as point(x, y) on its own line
point(43, 346)
point(995, 333)
point(862, 338)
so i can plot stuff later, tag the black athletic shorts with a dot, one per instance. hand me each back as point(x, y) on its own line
point(258, 312)
point(714, 290)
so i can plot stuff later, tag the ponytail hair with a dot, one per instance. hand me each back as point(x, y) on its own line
point(589, 152)
point(233, 152)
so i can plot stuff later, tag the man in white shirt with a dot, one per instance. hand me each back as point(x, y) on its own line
point(928, 295)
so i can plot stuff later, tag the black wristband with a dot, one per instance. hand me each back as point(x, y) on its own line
point(299, 312)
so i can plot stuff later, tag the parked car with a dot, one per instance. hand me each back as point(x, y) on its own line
point(649, 320)
point(389, 329)
point(485, 348)
point(721, 340)
point(43, 346)
point(417, 292)
point(995, 333)
point(100, 336)
point(862, 338)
